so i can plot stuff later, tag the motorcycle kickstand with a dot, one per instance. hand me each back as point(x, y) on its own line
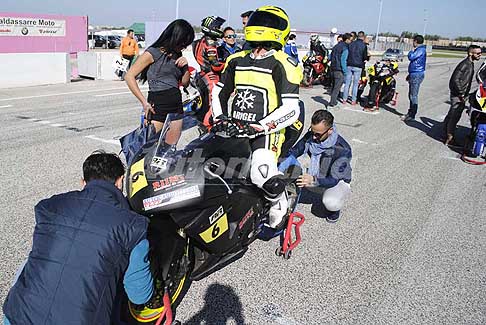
point(286, 243)
point(167, 313)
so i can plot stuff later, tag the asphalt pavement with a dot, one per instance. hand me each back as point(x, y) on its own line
point(410, 247)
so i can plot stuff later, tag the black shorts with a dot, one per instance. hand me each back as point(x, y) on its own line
point(165, 102)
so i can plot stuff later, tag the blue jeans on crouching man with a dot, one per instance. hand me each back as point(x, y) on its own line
point(414, 81)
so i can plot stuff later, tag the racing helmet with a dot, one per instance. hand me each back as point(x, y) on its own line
point(211, 26)
point(268, 24)
point(191, 99)
point(314, 38)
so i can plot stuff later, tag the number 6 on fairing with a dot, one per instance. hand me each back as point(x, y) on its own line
point(216, 230)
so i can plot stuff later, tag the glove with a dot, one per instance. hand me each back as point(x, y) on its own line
point(249, 130)
point(224, 124)
point(219, 124)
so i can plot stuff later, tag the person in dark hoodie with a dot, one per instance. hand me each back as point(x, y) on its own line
point(82, 245)
point(329, 174)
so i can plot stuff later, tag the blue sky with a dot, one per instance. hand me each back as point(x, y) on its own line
point(445, 17)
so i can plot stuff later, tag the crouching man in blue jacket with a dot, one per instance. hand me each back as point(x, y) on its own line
point(82, 246)
point(329, 174)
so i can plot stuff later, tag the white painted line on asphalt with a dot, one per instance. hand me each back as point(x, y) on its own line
point(364, 142)
point(57, 125)
point(93, 137)
point(113, 94)
point(360, 111)
point(359, 141)
point(43, 122)
point(6, 106)
point(452, 158)
point(66, 93)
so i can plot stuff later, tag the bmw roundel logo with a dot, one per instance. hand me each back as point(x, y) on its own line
point(25, 31)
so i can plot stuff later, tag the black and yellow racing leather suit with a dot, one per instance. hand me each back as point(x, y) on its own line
point(266, 92)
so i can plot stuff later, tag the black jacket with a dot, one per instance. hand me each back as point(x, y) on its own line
point(358, 54)
point(461, 79)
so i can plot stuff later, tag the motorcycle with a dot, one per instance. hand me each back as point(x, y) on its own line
point(316, 70)
point(382, 85)
point(363, 82)
point(475, 145)
point(204, 210)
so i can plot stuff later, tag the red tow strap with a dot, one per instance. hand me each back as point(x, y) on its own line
point(167, 313)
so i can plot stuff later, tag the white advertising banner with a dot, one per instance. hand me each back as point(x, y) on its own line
point(22, 26)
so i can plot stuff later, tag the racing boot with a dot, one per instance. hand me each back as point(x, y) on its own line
point(278, 211)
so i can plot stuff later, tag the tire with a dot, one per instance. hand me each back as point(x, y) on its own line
point(307, 79)
point(177, 293)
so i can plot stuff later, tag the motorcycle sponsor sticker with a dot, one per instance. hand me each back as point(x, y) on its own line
point(172, 197)
point(215, 216)
point(158, 162)
point(137, 177)
point(169, 182)
point(247, 216)
point(219, 227)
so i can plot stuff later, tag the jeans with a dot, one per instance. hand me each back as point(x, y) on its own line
point(353, 74)
point(454, 115)
point(326, 201)
point(338, 77)
point(414, 82)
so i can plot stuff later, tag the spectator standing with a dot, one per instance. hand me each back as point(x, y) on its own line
point(291, 47)
point(128, 49)
point(329, 174)
point(229, 46)
point(339, 57)
point(82, 244)
point(244, 19)
point(164, 67)
point(459, 87)
point(357, 57)
point(353, 36)
point(416, 74)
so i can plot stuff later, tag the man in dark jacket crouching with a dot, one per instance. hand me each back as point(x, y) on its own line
point(81, 248)
point(329, 174)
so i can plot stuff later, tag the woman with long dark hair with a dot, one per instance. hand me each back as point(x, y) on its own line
point(163, 67)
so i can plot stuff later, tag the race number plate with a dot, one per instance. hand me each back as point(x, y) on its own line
point(218, 228)
point(120, 64)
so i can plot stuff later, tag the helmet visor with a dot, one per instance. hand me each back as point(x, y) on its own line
point(266, 19)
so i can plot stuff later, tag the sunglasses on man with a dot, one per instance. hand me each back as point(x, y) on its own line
point(230, 36)
point(318, 136)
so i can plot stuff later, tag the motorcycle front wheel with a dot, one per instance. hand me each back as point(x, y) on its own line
point(307, 80)
point(150, 312)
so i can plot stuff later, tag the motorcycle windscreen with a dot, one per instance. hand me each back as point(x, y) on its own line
point(165, 175)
